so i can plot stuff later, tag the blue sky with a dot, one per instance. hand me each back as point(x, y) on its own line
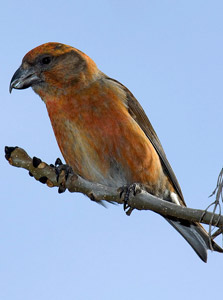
point(170, 55)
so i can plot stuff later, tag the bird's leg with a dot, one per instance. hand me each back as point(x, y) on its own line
point(126, 190)
point(62, 169)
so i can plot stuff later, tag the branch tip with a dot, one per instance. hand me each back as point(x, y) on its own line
point(8, 151)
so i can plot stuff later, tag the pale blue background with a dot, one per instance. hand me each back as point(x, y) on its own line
point(170, 55)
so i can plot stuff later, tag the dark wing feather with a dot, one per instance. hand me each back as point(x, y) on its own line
point(138, 114)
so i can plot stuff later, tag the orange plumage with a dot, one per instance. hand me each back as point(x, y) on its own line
point(101, 129)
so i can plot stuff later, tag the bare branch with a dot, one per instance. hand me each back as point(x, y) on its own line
point(143, 201)
point(218, 192)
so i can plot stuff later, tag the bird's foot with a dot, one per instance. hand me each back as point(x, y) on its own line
point(64, 170)
point(126, 190)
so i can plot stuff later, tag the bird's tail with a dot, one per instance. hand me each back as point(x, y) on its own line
point(196, 236)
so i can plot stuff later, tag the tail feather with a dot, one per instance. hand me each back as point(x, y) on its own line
point(195, 235)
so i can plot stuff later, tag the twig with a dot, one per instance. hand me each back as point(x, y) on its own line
point(216, 205)
point(217, 233)
point(143, 201)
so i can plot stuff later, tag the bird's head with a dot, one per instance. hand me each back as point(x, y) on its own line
point(54, 66)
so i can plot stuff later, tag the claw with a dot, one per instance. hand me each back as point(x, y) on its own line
point(126, 197)
point(67, 169)
point(126, 190)
point(57, 173)
point(59, 167)
point(58, 162)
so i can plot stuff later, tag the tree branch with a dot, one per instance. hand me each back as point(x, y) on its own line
point(142, 201)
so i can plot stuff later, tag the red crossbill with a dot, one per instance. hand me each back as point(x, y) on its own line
point(101, 129)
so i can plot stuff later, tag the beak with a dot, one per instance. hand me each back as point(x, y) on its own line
point(23, 78)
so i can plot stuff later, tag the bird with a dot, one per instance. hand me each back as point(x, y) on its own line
point(102, 130)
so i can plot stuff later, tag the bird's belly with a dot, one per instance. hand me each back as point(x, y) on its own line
point(110, 155)
point(103, 144)
point(92, 157)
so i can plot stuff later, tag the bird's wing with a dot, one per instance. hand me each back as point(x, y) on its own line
point(137, 113)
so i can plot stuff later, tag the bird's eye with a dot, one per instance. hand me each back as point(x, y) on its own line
point(46, 60)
